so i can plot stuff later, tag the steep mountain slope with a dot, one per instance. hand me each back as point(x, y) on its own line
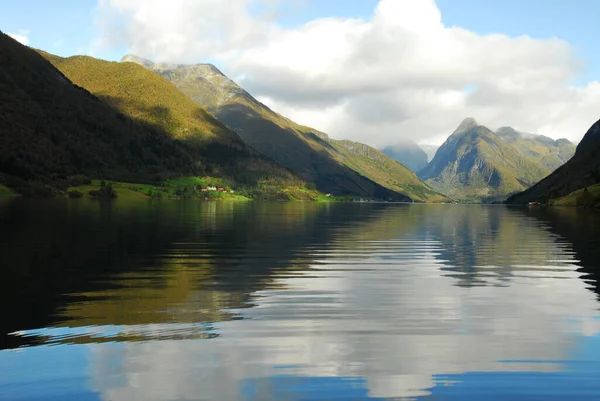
point(153, 101)
point(474, 164)
point(310, 153)
point(543, 151)
point(408, 153)
point(371, 162)
point(146, 97)
point(51, 128)
point(588, 197)
point(429, 150)
point(581, 171)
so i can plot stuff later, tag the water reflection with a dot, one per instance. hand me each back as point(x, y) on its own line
point(217, 301)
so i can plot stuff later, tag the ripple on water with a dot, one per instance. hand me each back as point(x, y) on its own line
point(203, 301)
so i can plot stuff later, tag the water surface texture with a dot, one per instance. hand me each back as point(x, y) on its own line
point(179, 301)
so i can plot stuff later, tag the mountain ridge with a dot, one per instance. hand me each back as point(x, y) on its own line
point(581, 171)
point(65, 130)
point(540, 149)
point(475, 164)
point(310, 153)
point(96, 119)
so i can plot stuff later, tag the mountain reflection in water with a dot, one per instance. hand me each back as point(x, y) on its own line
point(297, 301)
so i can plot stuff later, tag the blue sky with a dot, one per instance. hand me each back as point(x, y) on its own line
point(67, 27)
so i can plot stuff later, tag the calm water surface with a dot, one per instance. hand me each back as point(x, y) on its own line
point(297, 301)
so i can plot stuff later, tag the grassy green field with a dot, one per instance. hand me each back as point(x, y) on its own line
point(580, 198)
point(185, 187)
point(190, 187)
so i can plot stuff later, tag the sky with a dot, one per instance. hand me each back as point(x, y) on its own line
point(375, 71)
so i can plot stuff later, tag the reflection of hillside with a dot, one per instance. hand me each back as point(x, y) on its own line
point(232, 251)
point(478, 244)
point(54, 247)
point(581, 227)
point(373, 310)
point(141, 263)
point(484, 245)
point(197, 262)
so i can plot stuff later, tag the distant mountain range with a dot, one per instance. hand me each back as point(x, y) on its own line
point(334, 166)
point(408, 153)
point(544, 151)
point(476, 164)
point(464, 177)
point(141, 122)
point(580, 172)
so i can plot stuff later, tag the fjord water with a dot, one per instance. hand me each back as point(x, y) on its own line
point(297, 301)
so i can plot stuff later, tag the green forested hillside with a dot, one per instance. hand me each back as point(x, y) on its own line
point(52, 128)
point(114, 121)
point(581, 171)
point(145, 97)
point(331, 165)
point(588, 197)
point(475, 165)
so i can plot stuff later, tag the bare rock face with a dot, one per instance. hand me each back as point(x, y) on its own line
point(477, 165)
point(204, 83)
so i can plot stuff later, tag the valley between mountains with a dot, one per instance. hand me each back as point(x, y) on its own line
point(80, 126)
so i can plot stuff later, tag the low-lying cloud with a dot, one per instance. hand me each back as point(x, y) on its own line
point(400, 75)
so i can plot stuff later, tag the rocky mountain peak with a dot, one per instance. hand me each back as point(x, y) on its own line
point(466, 125)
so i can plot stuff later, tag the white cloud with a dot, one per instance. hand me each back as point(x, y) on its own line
point(21, 37)
point(401, 74)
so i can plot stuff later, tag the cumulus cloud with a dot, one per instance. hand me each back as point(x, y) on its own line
point(20, 37)
point(401, 74)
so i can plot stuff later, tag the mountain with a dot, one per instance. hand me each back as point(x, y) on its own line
point(371, 162)
point(430, 150)
point(338, 167)
point(581, 171)
point(151, 99)
point(545, 152)
point(475, 164)
point(408, 153)
point(126, 125)
point(52, 128)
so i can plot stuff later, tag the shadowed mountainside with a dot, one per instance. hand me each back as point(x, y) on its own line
point(127, 124)
point(147, 97)
point(52, 128)
point(581, 171)
point(335, 166)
